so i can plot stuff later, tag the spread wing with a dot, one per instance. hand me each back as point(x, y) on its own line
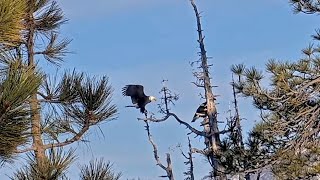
point(134, 91)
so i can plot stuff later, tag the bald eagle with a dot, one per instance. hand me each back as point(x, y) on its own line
point(201, 112)
point(138, 98)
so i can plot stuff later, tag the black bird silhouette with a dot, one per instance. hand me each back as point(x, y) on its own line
point(138, 98)
point(201, 112)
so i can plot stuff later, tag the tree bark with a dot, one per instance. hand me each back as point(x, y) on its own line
point(34, 102)
point(218, 169)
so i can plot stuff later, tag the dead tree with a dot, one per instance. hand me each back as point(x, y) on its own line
point(211, 131)
point(189, 173)
point(167, 168)
point(205, 83)
point(167, 99)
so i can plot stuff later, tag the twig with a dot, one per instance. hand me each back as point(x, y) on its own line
point(189, 162)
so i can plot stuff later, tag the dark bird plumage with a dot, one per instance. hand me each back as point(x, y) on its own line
point(201, 112)
point(138, 98)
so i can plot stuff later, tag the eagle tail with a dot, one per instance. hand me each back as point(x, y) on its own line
point(195, 117)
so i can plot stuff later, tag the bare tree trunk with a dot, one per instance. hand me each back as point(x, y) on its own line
point(239, 137)
point(218, 169)
point(34, 103)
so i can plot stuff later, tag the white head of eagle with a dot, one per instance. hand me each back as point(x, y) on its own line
point(138, 98)
point(152, 98)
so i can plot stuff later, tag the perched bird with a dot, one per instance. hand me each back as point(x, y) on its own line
point(138, 98)
point(201, 112)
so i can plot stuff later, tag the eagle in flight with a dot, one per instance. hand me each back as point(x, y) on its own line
point(138, 98)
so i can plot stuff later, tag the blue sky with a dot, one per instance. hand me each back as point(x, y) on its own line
point(144, 41)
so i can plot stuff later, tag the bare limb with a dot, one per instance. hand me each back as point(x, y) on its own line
point(75, 138)
point(189, 162)
point(197, 84)
point(192, 129)
point(168, 169)
point(215, 143)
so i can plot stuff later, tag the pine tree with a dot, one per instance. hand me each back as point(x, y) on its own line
point(17, 83)
point(65, 104)
point(288, 136)
point(98, 170)
point(12, 13)
point(290, 112)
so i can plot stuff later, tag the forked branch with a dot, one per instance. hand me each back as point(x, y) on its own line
point(192, 129)
point(168, 169)
point(189, 157)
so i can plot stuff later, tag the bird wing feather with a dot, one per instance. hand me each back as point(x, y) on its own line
point(200, 112)
point(135, 91)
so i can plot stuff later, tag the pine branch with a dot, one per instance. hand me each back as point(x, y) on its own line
point(54, 166)
point(12, 13)
point(99, 170)
point(75, 138)
point(55, 51)
point(49, 17)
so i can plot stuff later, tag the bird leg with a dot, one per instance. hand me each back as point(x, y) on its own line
point(146, 113)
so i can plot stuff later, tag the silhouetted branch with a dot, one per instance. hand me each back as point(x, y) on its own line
point(214, 140)
point(166, 100)
point(237, 125)
point(197, 84)
point(75, 138)
point(168, 169)
point(306, 6)
point(189, 173)
point(192, 129)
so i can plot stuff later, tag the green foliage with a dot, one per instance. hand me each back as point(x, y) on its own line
point(55, 51)
point(99, 170)
point(300, 164)
point(46, 23)
point(94, 102)
point(43, 107)
point(255, 154)
point(72, 103)
point(16, 86)
point(290, 110)
point(76, 102)
point(11, 15)
point(50, 16)
point(53, 168)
